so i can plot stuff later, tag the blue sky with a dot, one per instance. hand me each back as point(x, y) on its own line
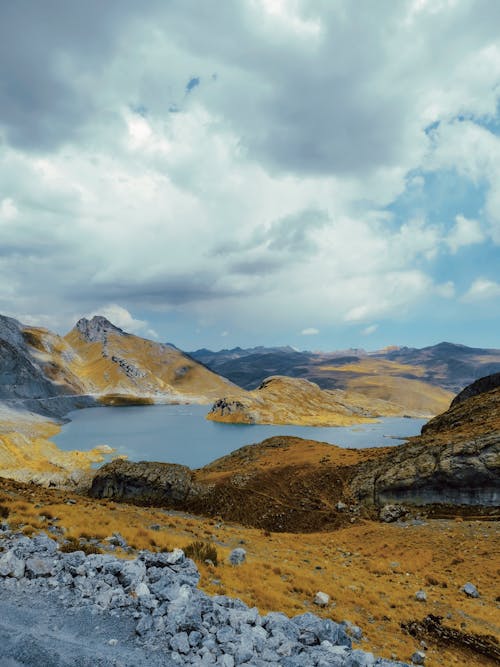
point(318, 173)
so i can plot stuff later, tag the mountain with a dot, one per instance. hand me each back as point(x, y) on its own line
point(446, 365)
point(99, 359)
point(109, 361)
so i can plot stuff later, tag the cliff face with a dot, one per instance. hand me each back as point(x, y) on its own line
point(456, 460)
point(21, 375)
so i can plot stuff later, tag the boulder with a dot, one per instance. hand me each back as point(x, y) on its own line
point(237, 556)
point(321, 599)
point(165, 484)
point(11, 565)
point(391, 513)
point(470, 590)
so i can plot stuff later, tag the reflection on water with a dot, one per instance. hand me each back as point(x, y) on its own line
point(181, 434)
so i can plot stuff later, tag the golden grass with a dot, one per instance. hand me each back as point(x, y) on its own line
point(370, 570)
point(413, 395)
point(161, 368)
point(369, 366)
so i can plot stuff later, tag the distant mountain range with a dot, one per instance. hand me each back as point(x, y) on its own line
point(447, 365)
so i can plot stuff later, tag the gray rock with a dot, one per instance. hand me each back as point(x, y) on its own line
point(11, 565)
point(421, 596)
point(353, 630)
point(141, 590)
point(117, 540)
point(418, 658)
point(470, 590)
point(40, 567)
point(144, 624)
point(321, 599)
point(180, 643)
point(237, 556)
point(158, 594)
point(391, 513)
point(132, 573)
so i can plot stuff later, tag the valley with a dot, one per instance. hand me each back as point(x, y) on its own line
point(369, 527)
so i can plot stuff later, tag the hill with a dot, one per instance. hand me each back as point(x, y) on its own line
point(284, 400)
point(446, 365)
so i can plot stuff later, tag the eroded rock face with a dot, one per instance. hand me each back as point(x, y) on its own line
point(96, 329)
point(455, 461)
point(145, 482)
point(19, 377)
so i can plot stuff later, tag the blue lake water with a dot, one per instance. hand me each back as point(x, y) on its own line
point(181, 434)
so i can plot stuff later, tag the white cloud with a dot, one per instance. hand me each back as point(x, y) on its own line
point(465, 232)
point(310, 331)
point(482, 289)
point(121, 318)
point(474, 152)
point(123, 187)
point(8, 210)
point(367, 331)
point(446, 290)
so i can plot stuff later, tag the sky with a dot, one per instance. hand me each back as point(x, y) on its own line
point(321, 173)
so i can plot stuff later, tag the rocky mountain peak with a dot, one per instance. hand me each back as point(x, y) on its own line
point(96, 329)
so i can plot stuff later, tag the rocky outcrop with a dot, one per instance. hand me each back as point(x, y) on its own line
point(20, 377)
point(478, 387)
point(455, 461)
point(97, 329)
point(465, 472)
point(165, 484)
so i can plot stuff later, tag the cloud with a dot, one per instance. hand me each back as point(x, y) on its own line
point(367, 331)
point(446, 290)
point(464, 233)
point(270, 196)
point(482, 289)
point(310, 331)
point(122, 318)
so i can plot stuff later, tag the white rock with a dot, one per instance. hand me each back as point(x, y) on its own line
point(321, 599)
point(141, 590)
point(11, 565)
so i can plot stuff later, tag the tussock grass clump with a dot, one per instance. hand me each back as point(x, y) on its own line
point(74, 544)
point(4, 512)
point(201, 551)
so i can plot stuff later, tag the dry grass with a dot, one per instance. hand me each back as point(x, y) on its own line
point(370, 570)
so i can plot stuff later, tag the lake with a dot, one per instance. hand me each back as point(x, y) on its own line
point(181, 434)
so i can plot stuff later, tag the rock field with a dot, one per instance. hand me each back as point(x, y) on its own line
point(149, 606)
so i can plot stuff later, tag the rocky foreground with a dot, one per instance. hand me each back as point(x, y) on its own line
point(173, 621)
